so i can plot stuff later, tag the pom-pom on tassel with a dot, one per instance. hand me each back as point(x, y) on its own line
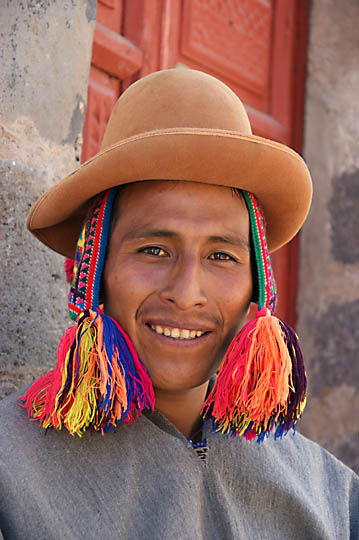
point(98, 381)
point(261, 383)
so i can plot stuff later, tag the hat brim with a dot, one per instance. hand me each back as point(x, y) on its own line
point(275, 174)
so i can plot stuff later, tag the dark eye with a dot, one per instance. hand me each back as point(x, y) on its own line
point(155, 251)
point(220, 256)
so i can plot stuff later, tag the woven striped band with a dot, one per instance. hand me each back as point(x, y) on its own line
point(267, 293)
point(92, 246)
point(90, 256)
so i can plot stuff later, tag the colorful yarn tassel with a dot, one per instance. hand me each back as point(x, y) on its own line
point(98, 381)
point(261, 383)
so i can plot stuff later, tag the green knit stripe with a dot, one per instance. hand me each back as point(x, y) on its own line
point(260, 264)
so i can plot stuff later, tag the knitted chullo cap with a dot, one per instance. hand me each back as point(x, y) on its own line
point(99, 380)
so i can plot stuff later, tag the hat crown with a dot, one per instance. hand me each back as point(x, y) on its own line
point(175, 98)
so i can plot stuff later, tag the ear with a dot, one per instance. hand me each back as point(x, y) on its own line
point(251, 311)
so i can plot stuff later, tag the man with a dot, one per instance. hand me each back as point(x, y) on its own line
point(168, 226)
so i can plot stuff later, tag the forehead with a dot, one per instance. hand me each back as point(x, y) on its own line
point(181, 205)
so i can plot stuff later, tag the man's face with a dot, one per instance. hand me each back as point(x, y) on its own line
point(178, 278)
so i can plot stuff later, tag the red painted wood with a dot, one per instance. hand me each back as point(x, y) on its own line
point(142, 26)
point(252, 52)
point(114, 59)
point(289, 53)
point(103, 92)
point(286, 259)
point(170, 33)
point(115, 54)
point(299, 64)
point(240, 51)
point(109, 14)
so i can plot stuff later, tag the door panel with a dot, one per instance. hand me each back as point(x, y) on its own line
point(248, 44)
point(232, 39)
point(103, 92)
point(114, 59)
point(109, 14)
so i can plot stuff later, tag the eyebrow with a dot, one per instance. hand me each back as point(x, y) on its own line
point(145, 232)
point(230, 239)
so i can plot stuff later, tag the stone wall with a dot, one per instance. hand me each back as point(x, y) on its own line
point(329, 248)
point(45, 58)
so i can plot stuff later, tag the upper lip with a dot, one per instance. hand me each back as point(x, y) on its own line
point(181, 325)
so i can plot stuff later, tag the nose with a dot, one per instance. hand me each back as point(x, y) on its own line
point(185, 285)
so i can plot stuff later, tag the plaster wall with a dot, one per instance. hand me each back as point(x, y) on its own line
point(328, 305)
point(45, 57)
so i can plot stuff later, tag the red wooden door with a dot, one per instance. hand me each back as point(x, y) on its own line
point(257, 47)
point(114, 59)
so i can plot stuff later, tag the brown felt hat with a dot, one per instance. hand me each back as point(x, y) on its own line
point(179, 124)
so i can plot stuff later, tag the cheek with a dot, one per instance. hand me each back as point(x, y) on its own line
point(234, 319)
point(235, 303)
point(115, 294)
point(126, 286)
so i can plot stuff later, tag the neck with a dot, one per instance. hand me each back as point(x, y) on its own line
point(183, 408)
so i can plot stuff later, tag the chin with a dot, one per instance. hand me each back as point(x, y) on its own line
point(178, 386)
point(177, 380)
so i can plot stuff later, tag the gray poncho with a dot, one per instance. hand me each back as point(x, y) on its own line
point(146, 482)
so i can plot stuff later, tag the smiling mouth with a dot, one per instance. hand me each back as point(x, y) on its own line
point(177, 333)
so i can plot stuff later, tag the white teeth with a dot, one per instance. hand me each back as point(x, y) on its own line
point(184, 334)
point(177, 333)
